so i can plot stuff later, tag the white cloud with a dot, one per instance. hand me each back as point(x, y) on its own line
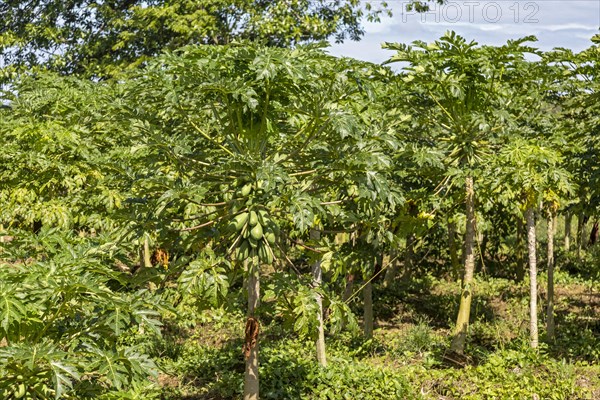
point(556, 24)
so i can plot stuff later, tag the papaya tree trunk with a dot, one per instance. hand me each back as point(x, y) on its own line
point(568, 219)
point(392, 270)
point(409, 256)
point(455, 264)
point(464, 311)
point(531, 243)
point(349, 287)
point(146, 257)
point(581, 220)
point(550, 305)
point(317, 273)
point(368, 309)
point(317, 278)
point(251, 387)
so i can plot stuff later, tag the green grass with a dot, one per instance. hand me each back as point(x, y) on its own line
point(407, 357)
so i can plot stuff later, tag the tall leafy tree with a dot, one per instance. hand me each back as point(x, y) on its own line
point(99, 37)
point(250, 143)
point(463, 84)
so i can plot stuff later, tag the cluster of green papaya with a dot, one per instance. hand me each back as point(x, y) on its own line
point(257, 233)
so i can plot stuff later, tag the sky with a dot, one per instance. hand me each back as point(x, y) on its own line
point(555, 23)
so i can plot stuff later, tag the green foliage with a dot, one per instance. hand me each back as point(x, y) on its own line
point(65, 321)
point(290, 361)
point(99, 38)
point(55, 131)
point(247, 159)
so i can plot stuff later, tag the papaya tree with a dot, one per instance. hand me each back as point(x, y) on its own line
point(462, 85)
point(532, 173)
point(249, 140)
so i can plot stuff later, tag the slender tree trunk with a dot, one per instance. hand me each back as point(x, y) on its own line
point(464, 312)
point(251, 387)
point(568, 220)
point(368, 310)
point(392, 270)
point(349, 287)
point(317, 278)
point(594, 234)
point(453, 249)
point(550, 306)
point(409, 256)
point(520, 253)
point(146, 257)
point(531, 243)
point(580, 233)
point(316, 283)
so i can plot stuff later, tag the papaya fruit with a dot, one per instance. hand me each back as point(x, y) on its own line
point(253, 242)
point(270, 236)
point(253, 220)
point(243, 251)
point(263, 218)
point(240, 220)
point(256, 232)
point(246, 189)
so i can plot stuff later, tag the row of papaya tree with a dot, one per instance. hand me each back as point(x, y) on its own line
point(307, 174)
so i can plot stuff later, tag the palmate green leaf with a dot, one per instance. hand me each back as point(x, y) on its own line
point(305, 312)
point(120, 368)
point(12, 307)
point(109, 365)
point(62, 377)
point(39, 363)
point(206, 281)
point(117, 318)
point(148, 319)
point(303, 208)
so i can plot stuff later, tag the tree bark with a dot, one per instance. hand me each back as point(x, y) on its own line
point(581, 221)
point(368, 310)
point(550, 305)
point(146, 257)
point(251, 387)
point(464, 312)
point(531, 243)
point(455, 264)
point(317, 273)
point(392, 270)
point(317, 278)
point(349, 287)
point(594, 234)
point(568, 220)
point(409, 256)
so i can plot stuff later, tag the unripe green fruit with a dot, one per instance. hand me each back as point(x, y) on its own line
point(263, 218)
point(246, 189)
point(243, 251)
point(270, 237)
point(257, 232)
point(240, 220)
point(253, 242)
point(253, 219)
